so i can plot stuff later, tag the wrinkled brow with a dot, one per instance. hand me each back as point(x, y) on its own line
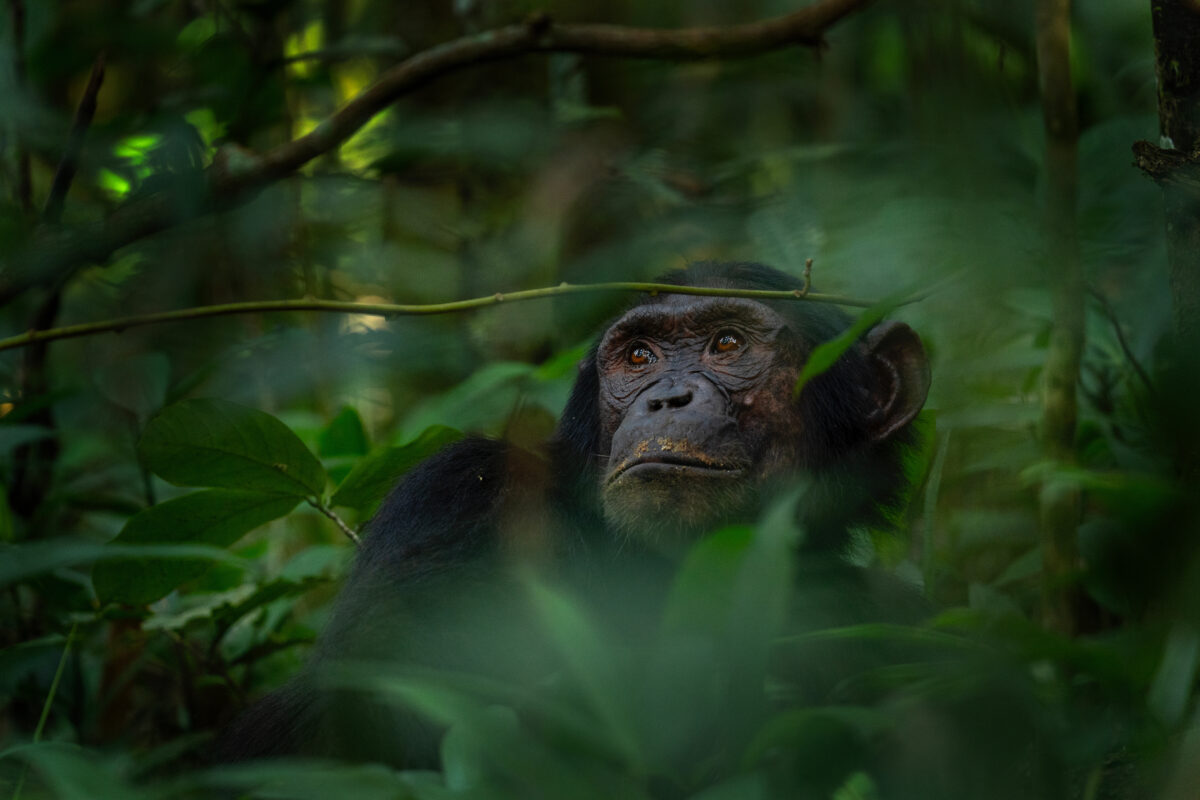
point(667, 320)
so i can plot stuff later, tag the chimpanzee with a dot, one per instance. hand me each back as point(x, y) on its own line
point(682, 419)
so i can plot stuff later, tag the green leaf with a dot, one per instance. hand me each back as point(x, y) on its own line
point(589, 660)
point(824, 356)
point(19, 563)
point(1176, 674)
point(216, 517)
point(342, 443)
point(225, 445)
point(225, 615)
point(299, 779)
point(344, 436)
point(751, 786)
point(370, 481)
point(68, 772)
point(700, 594)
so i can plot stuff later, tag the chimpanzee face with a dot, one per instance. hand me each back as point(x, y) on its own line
point(690, 392)
point(697, 413)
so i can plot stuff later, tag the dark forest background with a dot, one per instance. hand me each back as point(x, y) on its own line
point(163, 155)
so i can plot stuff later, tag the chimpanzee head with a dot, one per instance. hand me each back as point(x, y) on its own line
point(689, 402)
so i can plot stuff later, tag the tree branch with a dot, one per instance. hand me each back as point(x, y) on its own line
point(394, 310)
point(33, 463)
point(70, 158)
point(236, 175)
point(1122, 341)
point(24, 188)
point(1175, 165)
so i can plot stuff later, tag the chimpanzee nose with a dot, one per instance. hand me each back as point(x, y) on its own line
point(669, 394)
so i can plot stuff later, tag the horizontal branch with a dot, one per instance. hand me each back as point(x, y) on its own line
point(1167, 166)
point(395, 310)
point(236, 174)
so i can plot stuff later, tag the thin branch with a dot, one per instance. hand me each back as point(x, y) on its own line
point(24, 188)
point(346, 529)
point(33, 463)
point(48, 704)
point(70, 158)
point(399, 310)
point(541, 35)
point(236, 174)
point(1111, 313)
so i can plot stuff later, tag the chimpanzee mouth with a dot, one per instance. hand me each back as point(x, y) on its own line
point(670, 463)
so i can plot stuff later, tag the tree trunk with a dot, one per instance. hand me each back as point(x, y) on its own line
point(1175, 164)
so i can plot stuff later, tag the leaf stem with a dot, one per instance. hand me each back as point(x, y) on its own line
point(346, 529)
point(41, 726)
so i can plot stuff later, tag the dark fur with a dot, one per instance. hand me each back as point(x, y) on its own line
point(443, 538)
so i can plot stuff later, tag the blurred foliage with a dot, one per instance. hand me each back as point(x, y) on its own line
point(137, 617)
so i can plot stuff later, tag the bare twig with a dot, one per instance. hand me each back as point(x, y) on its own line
point(237, 175)
point(396, 310)
point(70, 158)
point(33, 463)
point(346, 529)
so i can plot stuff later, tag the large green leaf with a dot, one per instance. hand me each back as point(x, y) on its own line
point(225, 445)
point(369, 482)
point(217, 517)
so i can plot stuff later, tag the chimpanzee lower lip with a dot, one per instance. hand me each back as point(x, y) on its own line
point(682, 464)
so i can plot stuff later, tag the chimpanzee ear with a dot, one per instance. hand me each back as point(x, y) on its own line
point(901, 369)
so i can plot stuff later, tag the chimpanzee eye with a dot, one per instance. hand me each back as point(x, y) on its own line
point(726, 342)
point(640, 354)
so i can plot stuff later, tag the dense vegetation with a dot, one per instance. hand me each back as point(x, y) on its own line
point(181, 497)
